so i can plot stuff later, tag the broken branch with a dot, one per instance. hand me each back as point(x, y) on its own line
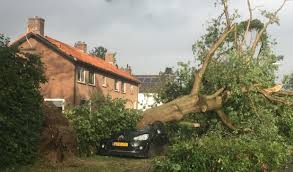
point(217, 93)
point(228, 21)
point(248, 23)
point(199, 74)
point(259, 34)
point(275, 99)
point(225, 119)
point(284, 93)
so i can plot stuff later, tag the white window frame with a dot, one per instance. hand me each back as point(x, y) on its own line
point(94, 75)
point(56, 100)
point(117, 85)
point(78, 72)
point(123, 87)
point(104, 81)
point(131, 89)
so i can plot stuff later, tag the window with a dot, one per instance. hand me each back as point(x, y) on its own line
point(91, 79)
point(104, 81)
point(116, 85)
point(80, 74)
point(123, 87)
point(59, 103)
point(131, 89)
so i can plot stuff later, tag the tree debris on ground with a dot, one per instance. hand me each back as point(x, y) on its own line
point(58, 138)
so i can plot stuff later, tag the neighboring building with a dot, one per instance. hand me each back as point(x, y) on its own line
point(149, 88)
point(72, 74)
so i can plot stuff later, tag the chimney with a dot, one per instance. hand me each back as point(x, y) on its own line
point(36, 25)
point(110, 58)
point(168, 70)
point(81, 46)
point(128, 69)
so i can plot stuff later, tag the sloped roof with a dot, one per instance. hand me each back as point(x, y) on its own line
point(73, 52)
point(149, 83)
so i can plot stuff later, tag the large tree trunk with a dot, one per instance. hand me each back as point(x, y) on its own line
point(176, 109)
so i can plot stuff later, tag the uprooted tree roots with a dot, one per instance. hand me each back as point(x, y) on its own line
point(58, 138)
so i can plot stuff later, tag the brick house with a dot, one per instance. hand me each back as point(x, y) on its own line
point(73, 75)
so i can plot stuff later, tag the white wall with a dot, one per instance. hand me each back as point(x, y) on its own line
point(146, 101)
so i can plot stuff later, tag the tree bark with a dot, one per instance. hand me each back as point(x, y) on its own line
point(199, 74)
point(178, 108)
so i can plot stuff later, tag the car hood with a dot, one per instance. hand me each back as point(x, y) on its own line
point(130, 134)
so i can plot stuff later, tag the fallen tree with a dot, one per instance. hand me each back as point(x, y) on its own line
point(177, 109)
point(245, 118)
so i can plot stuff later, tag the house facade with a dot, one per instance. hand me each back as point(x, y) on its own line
point(148, 91)
point(150, 86)
point(72, 74)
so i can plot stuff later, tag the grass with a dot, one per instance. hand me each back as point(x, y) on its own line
point(93, 164)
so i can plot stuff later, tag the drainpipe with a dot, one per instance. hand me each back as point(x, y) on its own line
point(74, 84)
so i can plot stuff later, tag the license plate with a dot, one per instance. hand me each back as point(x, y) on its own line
point(120, 144)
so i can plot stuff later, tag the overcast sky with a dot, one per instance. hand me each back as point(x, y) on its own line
point(149, 35)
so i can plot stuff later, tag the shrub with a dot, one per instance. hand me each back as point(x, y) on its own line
point(20, 104)
point(213, 153)
point(99, 119)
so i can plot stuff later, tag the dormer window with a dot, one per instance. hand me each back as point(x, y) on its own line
point(80, 74)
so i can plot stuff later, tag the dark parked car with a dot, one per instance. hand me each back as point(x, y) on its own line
point(145, 142)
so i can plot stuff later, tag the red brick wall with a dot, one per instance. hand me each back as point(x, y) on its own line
point(84, 91)
point(130, 96)
point(60, 74)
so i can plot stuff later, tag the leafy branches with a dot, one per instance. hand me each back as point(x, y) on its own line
point(99, 52)
point(20, 104)
point(99, 119)
point(272, 18)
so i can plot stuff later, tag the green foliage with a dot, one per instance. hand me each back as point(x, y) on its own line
point(99, 119)
point(212, 153)
point(175, 84)
point(288, 81)
point(99, 52)
point(20, 104)
point(264, 129)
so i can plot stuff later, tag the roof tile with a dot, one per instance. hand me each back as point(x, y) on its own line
point(89, 59)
